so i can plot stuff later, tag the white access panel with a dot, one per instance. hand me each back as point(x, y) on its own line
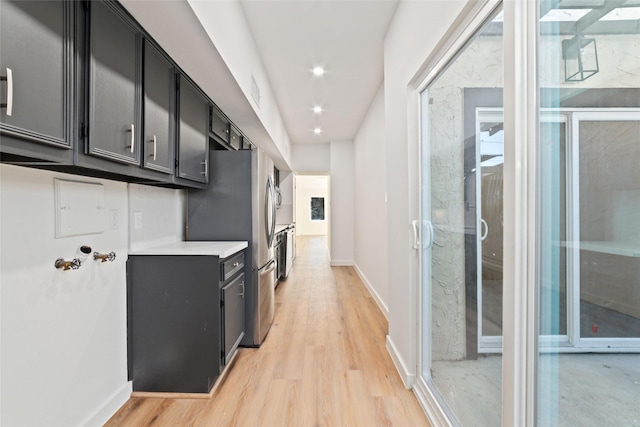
point(79, 208)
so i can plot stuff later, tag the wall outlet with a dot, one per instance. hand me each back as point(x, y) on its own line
point(113, 219)
point(137, 220)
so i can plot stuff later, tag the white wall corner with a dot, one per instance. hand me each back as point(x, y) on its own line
point(407, 375)
point(376, 297)
point(111, 405)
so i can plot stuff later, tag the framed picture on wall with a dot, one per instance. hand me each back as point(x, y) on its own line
point(317, 209)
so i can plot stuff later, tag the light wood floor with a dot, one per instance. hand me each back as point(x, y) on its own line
point(324, 363)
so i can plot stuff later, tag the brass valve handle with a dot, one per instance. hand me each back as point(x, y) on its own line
point(111, 256)
point(74, 264)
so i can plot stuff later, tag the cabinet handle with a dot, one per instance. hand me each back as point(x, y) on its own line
point(9, 79)
point(204, 172)
point(242, 293)
point(236, 264)
point(132, 129)
point(155, 147)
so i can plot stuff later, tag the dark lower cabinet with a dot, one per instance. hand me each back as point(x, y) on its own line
point(174, 323)
point(184, 320)
point(37, 79)
point(232, 298)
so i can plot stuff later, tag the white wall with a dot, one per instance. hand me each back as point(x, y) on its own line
point(284, 214)
point(227, 26)
point(307, 187)
point(342, 205)
point(63, 333)
point(311, 158)
point(370, 208)
point(414, 32)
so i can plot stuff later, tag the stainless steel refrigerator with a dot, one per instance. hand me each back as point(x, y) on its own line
point(240, 205)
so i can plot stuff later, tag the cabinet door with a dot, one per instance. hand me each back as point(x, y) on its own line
point(159, 96)
point(233, 312)
point(193, 138)
point(35, 65)
point(114, 70)
point(220, 126)
point(235, 139)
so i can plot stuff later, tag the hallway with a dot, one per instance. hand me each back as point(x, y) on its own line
point(324, 363)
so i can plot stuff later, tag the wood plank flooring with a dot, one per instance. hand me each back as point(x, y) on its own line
point(324, 363)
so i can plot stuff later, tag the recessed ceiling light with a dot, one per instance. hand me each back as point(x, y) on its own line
point(317, 131)
point(317, 109)
point(318, 71)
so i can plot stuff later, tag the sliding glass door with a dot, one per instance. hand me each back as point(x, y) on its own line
point(529, 232)
point(457, 177)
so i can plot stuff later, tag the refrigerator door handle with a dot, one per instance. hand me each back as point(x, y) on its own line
point(270, 206)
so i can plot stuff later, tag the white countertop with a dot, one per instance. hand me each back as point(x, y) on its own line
point(220, 249)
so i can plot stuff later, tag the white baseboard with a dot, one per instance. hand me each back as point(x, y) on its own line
point(101, 415)
point(406, 375)
point(341, 263)
point(381, 305)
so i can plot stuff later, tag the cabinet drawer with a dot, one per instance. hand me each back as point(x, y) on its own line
point(231, 266)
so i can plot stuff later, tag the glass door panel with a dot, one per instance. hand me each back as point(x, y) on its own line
point(489, 199)
point(609, 201)
point(489, 205)
point(588, 61)
point(554, 293)
point(450, 231)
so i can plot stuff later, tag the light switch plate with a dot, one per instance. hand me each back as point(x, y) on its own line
point(137, 220)
point(113, 219)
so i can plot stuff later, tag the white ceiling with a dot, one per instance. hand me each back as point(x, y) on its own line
point(344, 36)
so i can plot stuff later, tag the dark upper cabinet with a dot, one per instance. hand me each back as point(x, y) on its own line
point(235, 139)
point(158, 104)
point(114, 81)
point(220, 126)
point(193, 133)
point(36, 91)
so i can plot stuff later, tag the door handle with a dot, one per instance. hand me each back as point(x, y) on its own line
point(486, 229)
point(416, 234)
point(432, 233)
point(427, 242)
point(9, 79)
